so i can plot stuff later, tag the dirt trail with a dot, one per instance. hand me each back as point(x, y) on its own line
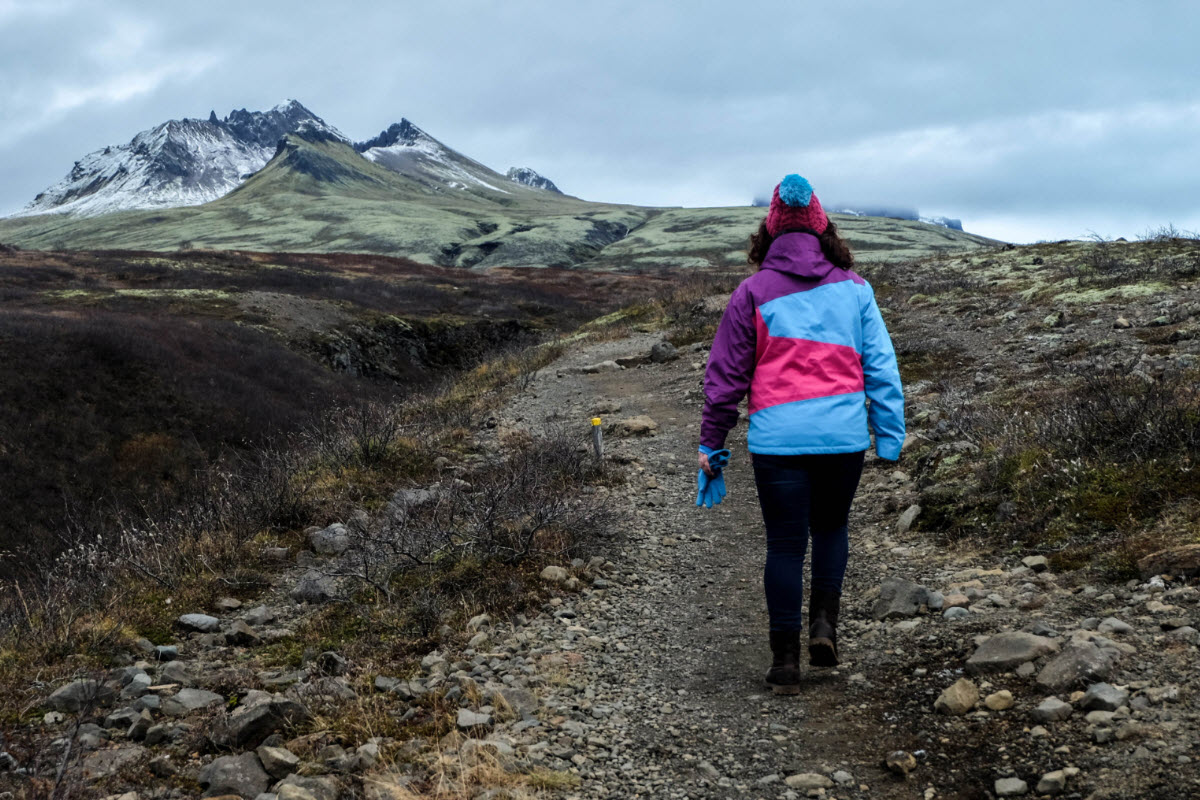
point(663, 697)
point(689, 621)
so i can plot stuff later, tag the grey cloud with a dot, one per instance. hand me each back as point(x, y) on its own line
point(1026, 119)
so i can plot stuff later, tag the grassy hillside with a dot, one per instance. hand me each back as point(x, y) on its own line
point(321, 196)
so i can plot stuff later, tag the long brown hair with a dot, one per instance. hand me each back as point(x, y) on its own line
point(833, 246)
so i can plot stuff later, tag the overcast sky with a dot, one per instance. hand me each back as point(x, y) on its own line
point(1028, 120)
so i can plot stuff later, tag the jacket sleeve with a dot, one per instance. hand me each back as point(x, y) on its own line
point(730, 368)
point(881, 380)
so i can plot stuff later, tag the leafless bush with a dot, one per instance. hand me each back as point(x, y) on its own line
point(535, 501)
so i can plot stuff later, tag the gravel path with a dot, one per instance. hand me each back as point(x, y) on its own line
point(662, 694)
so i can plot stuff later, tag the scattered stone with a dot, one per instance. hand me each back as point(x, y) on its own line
point(907, 518)
point(1006, 651)
point(1052, 782)
point(188, 700)
point(640, 425)
point(279, 762)
point(313, 588)
point(842, 778)
point(104, 763)
point(200, 623)
point(468, 719)
point(1103, 697)
point(1036, 563)
point(805, 781)
point(331, 541)
point(899, 598)
point(1079, 664)
point(240, 634)
point(240, 775)
point(1121, 322)
point(166, 652)
point(956, 612)
point(247, 726)
point(602, 366)
point(1052, 710)
point(331, 663)
point(1114, 625)
point(227, 604)
point(663, 352)
point(78, 695)
point(1011, 787)
point(554, 574)
point(958, 698)
point(999, 701)
point(901, 762)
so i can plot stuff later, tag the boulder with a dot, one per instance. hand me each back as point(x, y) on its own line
point(602, 366)
point(1078, 665)
point(317, 787)
point(1006, 651)
point(555, 574)
point(241, 775)
point(907, 518)
point(807, 781)
point(468, 719)
point(242, 635)
point(1011, 787)
point(1182, 562)
point(248, 726)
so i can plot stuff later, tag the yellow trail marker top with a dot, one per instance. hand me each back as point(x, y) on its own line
point(595, 421)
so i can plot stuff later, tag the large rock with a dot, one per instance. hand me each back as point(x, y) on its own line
point(468, 719)
point(78, 695)
point(899, 598)
point(640, 425)
point(104, 763)
point(247, 727)
point(1006, 651)
point(1078, 665)
point(318, 787)
point(314, 588)
point(1183, 562)
point(1052, 710)
point(908, 518)
point(279, 762)
point(188, 700)
point(331, 541)
point(958, 698)
point(200, 623)
point(1103, 697)
point(1011, 787)
point(663, 352)
point(242, 775)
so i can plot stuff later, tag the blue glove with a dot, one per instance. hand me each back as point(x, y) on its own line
point(711, 491)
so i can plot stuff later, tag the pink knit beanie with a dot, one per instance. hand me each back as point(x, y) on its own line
point(795, 206)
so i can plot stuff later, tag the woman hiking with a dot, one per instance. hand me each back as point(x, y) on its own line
point(804, 337)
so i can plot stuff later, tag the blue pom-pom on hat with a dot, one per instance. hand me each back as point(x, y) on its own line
point(795, 191)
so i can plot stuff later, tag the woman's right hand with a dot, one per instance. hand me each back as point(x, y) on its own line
point(705, 466)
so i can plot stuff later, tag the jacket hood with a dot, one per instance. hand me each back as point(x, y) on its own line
point(798, 253)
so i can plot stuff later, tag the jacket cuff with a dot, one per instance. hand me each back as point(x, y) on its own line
point(708, 451)
point(888, 449)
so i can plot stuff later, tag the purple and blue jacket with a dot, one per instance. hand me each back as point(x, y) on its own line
point(807, 341)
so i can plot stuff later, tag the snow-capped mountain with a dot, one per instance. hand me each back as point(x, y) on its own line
point(528, 177)
point(178, 163)
point(405, 148)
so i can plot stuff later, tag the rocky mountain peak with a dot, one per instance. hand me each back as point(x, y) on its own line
point(402, 132)
point(528, 177)
point(265, 128)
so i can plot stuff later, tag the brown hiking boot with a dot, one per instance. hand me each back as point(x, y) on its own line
point(784, 675)
point(823, 606)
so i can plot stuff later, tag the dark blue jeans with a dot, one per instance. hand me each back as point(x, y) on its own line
point(804, 496)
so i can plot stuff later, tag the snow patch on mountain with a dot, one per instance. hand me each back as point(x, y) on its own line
point(405, 148)
point(528, 177)
point(178, 163)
